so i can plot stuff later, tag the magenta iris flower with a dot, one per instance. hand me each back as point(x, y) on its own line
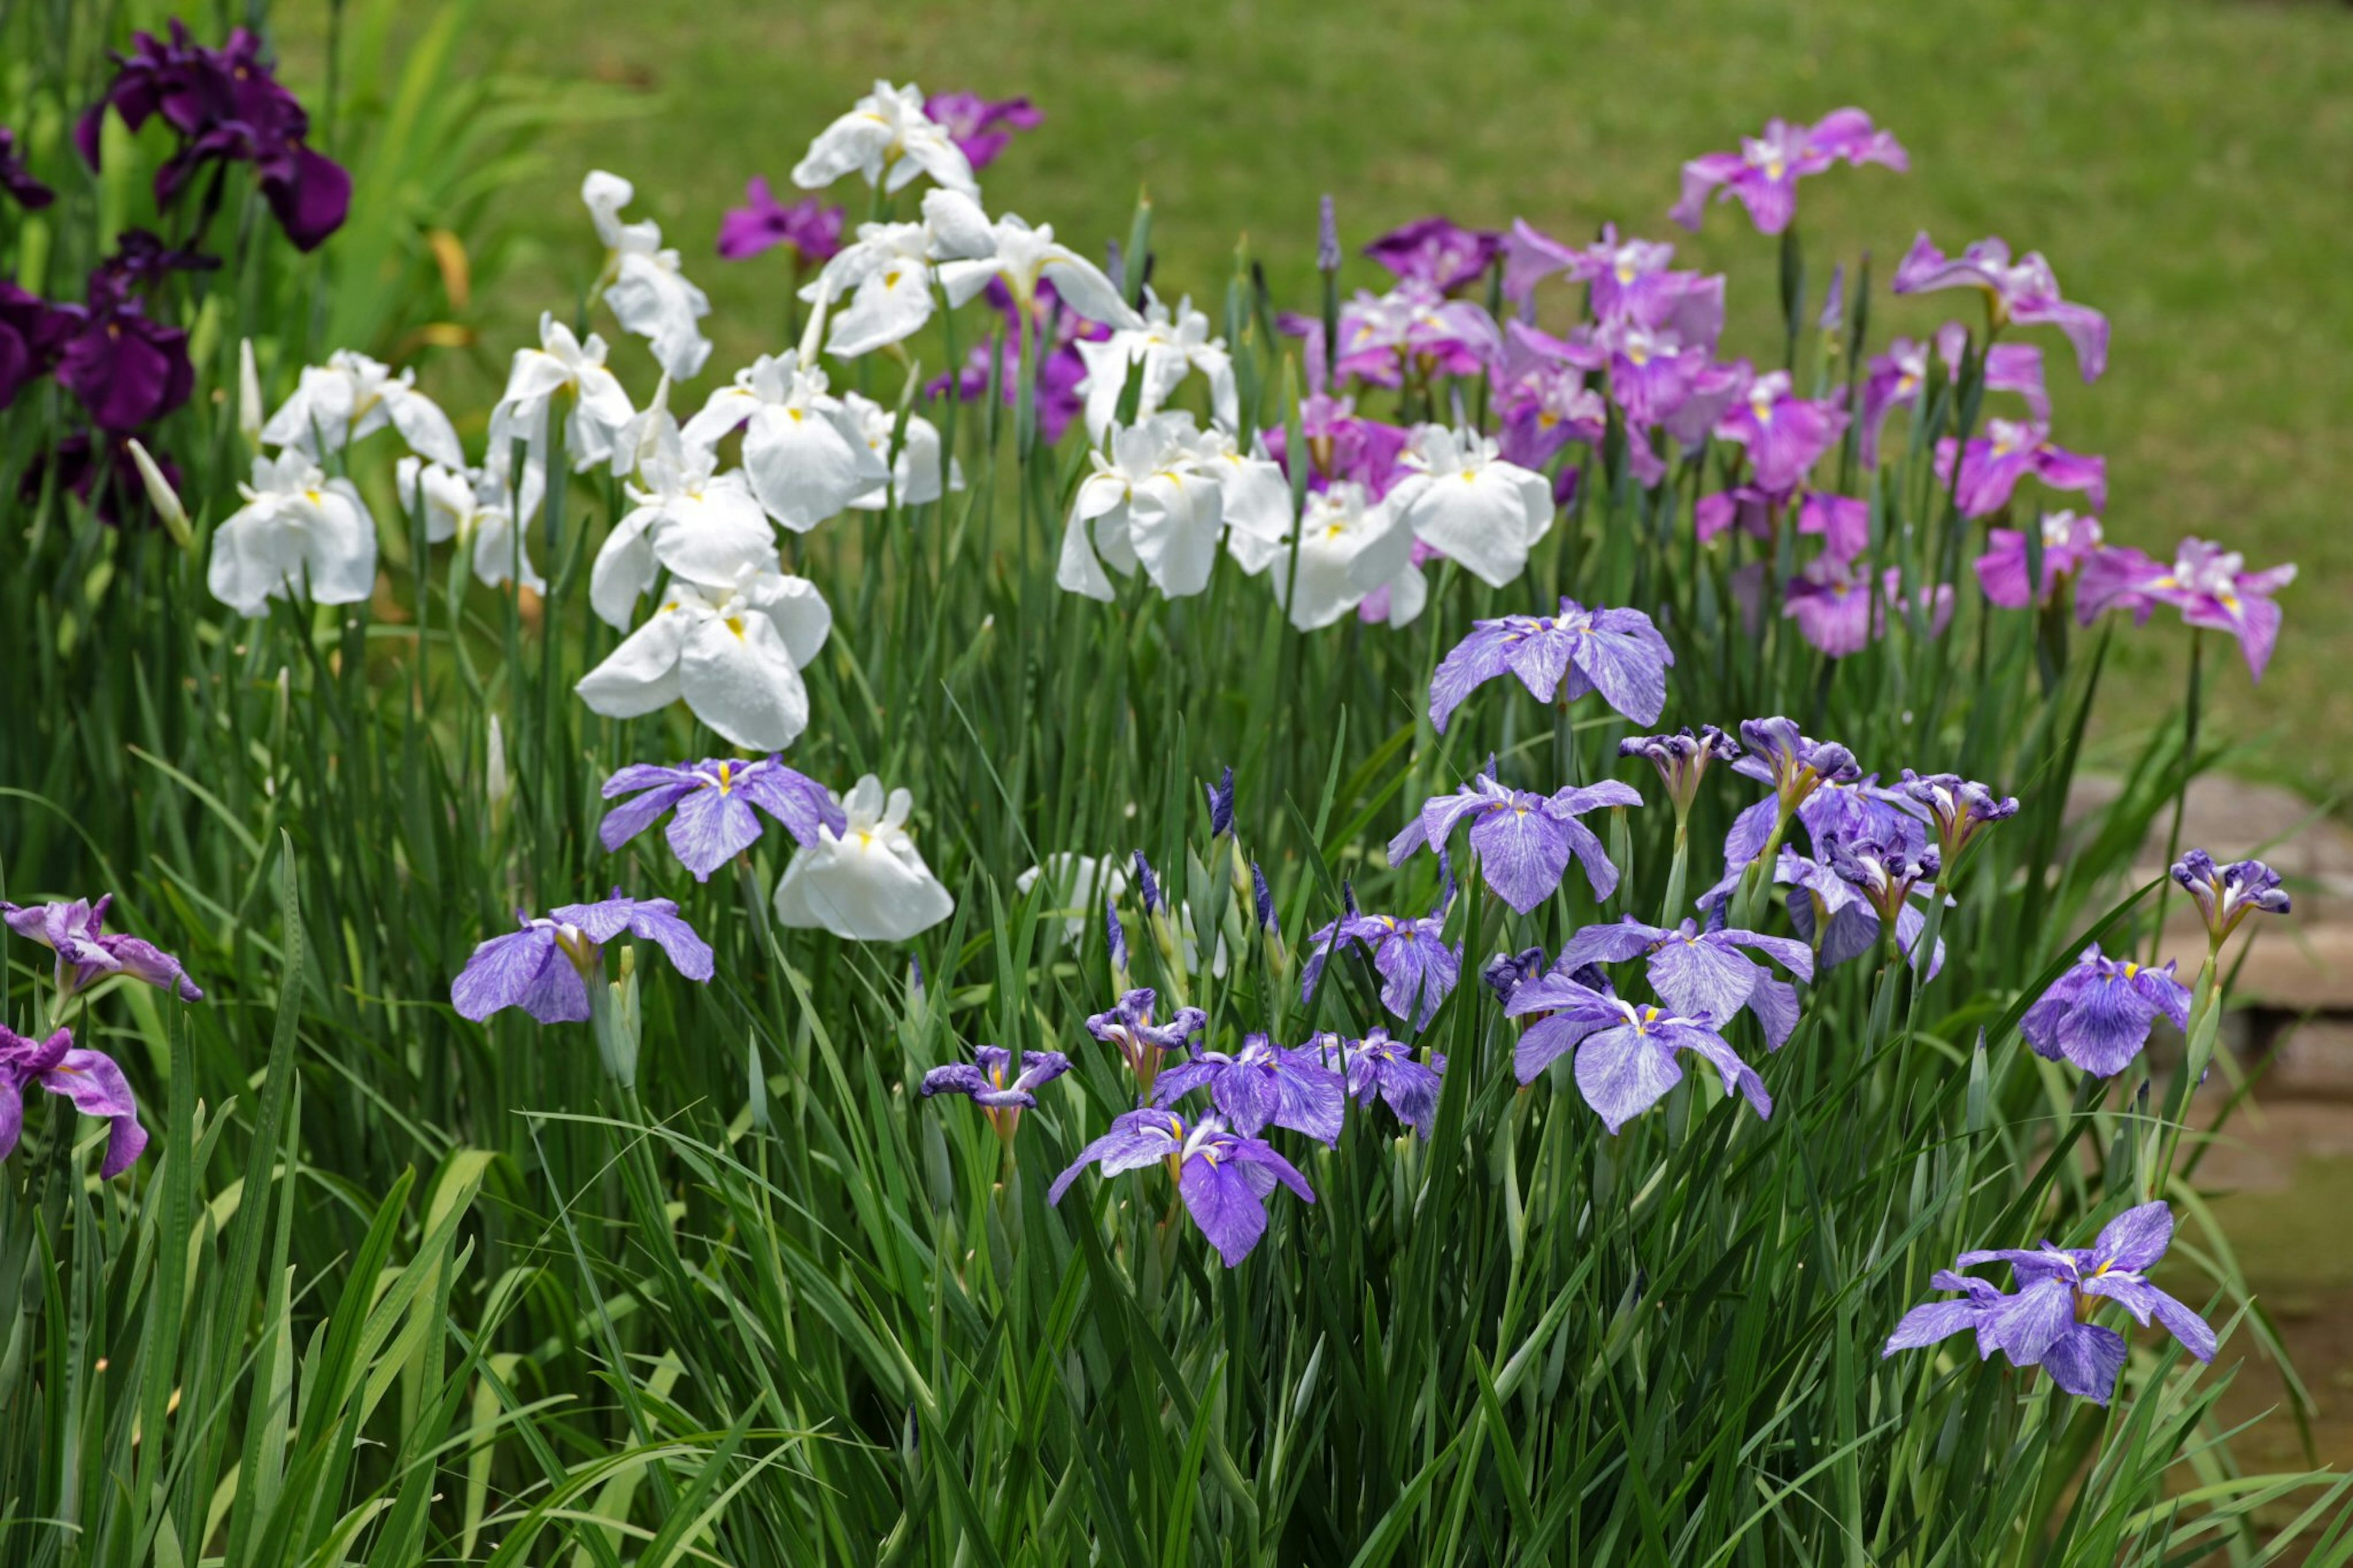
point(1765, 171)
point(1542, 399)
point(981, 128)
point(2097, 1015)
point(87, 954)
point(90, 1080)
point(1413, 328)
point(2209, 586)
point(1701, 973)
point(1785, 435)
point(1379, 1067)
point(1224, 1177)
point(1524, 840)
point(2025, 291)
point(2227, 895)
point(1840, 606)
point(1417, 967)
point(1618, 653)
point(808, 228)
point(1437, 251)
point(1143, 1044)
point(990, 1082)
point(1608, 266)
point(2010, 450)
point(16, 180)
point(1625, 1054)
point(714, 798)
point(546, 967)
point(2069, 541)
point(2044, 1324)
point(1263, 1084)
point(1343, 445)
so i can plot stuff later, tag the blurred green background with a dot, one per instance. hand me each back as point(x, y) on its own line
point(2184, 166)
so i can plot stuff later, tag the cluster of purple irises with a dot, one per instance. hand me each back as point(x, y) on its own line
point(126, 367)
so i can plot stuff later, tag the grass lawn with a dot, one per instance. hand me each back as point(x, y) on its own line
point(2182, 165)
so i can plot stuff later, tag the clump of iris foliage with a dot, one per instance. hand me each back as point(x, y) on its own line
point(1490, 862)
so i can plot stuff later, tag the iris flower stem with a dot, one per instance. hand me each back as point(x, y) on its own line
point(1670, 906)
point(2181, 796)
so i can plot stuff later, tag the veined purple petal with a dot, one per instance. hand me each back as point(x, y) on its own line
point(2083, 1360)
point(1222, 1202)
point(2137, 1239)
point(504, 971)
point(712, 827)
point(1623, 1072)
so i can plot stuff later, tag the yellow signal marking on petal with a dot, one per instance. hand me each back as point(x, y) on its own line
point(725, 769)
point(735, 624)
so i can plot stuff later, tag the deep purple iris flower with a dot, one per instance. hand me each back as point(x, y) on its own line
point(225, 105)
point(1701, 973)
point(2209, 586)
point(1765, 171)
point(2097, 1015)
point(1609, 265)
point(808, 228)
point(1224, 1177)
point(2025, 291)
point(90, 1080)
point(1786, 435)
point(981, 128)
point(127, 369)
point(1625, 1054)
point(1417, 967)
point(1379, 1067)
point(2058, 1288)
point(2227, 895)
point(1524, 840)
point(1222, 805)
point(87, 954)
point(2010, 450)
point(1618, 653)
point(97, 469)
point(1142, 1043)
point(545, 968)
point(1507, 971)
point(993, 1085)
point(16, 180)
point(1885, 867)
point(1437, 251)
point(33, 332)
point(1681, 759)
point(714, 798)
point(1661, 345)
point(142, 259)
point(1959, 808)
point(2069, 540)
point(1262, 1083)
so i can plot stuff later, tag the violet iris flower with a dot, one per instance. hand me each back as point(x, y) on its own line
point(714, 798)
point(1618, 653)
point(1415, 328)
point(1524, 840)
point(1841, 921)
point(1701, 973)
point(808, 228)
point(1507, 971)
point(1379, 1067)
point(1608, 266)
point(1896, 379)
point(1786, 435)
point(18, 180)
point(2058, 1288)
point(546, 967)
point(1417, 968)
point(1142, 1043)
point(127, 369)
point(1224, 1178)
point(32, 334)
point(2227, 895)
point(2209, 586)
point(2069, 541)
point(1542, 399)
point(2010, 450)
point(1960, 808)
point(2097, 1015)
point(984, 1079)
point(2025, 291)
point(1437, 251)
point(1262, 1083)
point(1625, 1054)
point(87, 954)
point(1765, 171)
point(1885, 867)
point(1221, 805)
point(90, 1080)
point(981, 128)
point(1794, 764)
point(1681, 759)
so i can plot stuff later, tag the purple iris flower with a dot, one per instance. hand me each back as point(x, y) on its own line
point(1343, 445)
point(1221, 805)
point(1417, 968)
point(1794, 764)
point(33, 332)
point(1765, 171)
point(1415, 328)
point(88, 1079)
point(1262, 902)
point(1885, 867)
point(1061, 368)
point(1618, 653)
point(18, 180)
point(1524, 840)
point(1960, 808)
point(1896, 378)
point(1608, 264)
point(1625, 1054)
point(1786, 435)
point(127, 369)
point(2069, 541)
point(2097, 1015)
point(1834, 915)
point(981, 128)
point(1224, 1177)
point(142, 260)
point(2010, 450)
point(984, 1079)
point(97, 469)
point(2058, 1288)
point(545, 968)
point(810, 228)
point(1379, 1067)
point(2227, 895)
point(1701, 973)
point(87, 954)
point(1142, 1043)
point(1662, 346)
point(714, 798)
point(2025, 291)
point(1262, 1083)
point(1328, 237)
point(1541, 396)
point(1437, 251)
point(1681, 759)
point(2209, 586)
point(1837, 610)
point(1507, 971)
